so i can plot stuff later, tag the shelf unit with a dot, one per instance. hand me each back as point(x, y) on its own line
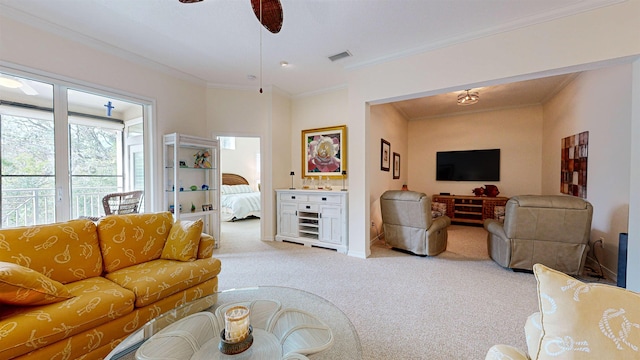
point(313, 218)
point(179, 148)
point(470, 209)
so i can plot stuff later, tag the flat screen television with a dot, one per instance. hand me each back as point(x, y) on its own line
point(468, 165)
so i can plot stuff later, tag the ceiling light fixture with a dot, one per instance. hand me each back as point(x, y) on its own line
point(468, 97)
point(284, 63)
point(9, 83)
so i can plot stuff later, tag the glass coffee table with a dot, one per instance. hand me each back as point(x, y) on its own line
point(285, 321)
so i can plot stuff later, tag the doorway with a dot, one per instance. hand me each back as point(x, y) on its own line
point(240, 195)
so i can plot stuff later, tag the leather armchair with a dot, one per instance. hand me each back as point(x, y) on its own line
point(408, 224)
point(552, 230)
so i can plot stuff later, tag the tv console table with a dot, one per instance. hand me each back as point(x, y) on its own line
point(470, 209)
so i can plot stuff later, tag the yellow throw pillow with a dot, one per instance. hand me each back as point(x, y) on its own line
point(131, 239)
point(20, 285)
point(586, 321)
point(183, 241)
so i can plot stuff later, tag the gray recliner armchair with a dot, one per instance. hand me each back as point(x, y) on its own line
point(553, 230)
point(408, 224)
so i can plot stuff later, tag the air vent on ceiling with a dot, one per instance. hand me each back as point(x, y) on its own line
point(339, 56)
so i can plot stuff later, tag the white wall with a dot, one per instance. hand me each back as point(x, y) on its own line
point(242, 160)
point(517, 132)
point(597, 101)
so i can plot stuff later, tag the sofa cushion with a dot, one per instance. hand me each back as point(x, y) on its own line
point(160, 278)
point(63, 252)
point(132, 239)
point(183, 240)
point(585, 321)
point(95, 301)
point(22, 286)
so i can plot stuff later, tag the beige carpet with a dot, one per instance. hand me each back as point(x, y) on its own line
point(452, 306)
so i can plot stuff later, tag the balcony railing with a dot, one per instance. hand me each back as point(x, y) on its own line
point(31, 206)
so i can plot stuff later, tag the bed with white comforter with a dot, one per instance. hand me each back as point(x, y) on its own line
point(239, 202)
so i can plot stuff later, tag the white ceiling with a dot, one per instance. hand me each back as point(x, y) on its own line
point(217, 42)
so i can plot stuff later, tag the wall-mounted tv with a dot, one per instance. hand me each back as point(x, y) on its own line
point(468, 165)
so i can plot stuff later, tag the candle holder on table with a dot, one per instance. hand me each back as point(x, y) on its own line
point(236, 336)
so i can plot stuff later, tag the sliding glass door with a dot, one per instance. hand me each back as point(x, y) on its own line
point(60, 158)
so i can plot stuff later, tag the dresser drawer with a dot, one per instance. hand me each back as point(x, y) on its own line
point(293, 197)
point(323, 198)
point(308, 207)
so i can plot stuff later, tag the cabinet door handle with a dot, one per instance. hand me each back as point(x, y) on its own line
point(308, 206)
point(293, 197)
point(296, 212)
point(324, 199)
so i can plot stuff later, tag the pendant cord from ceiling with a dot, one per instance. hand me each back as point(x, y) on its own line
point(260, 46)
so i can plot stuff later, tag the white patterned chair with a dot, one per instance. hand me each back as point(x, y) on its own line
point(577, 321)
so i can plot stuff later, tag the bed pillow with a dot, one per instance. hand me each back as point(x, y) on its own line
point(20, 285)
point(182, 244)
point(236, 189)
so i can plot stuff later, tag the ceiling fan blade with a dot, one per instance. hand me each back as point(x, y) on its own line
point(27, 89)
point(272, 16)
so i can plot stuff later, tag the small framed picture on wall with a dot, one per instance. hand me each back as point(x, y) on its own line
point(385, 155)
point(396, 165)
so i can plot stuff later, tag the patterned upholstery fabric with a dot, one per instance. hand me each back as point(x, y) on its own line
point(22, 286)
point(132, 239)
point(182, 244)
point(96, 301)
point(104, 308)
point(578, 321)
point(71, 249)
point(150, 283)
point(438, 209)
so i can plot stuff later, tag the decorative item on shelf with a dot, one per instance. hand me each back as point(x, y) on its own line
point(202, 159)
point(292, 174)
point(207, 207)
point(344, 174)
point(183, 164)
point(305, 183)
point(193, 188)
point(491, 190)
point(205, 187)
point(478, 191)
point(320, 183)
point(236, 336)
point(405, 187)
point(193, 208)
point(327, 184)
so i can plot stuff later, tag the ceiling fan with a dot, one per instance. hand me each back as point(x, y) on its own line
point(268, 12)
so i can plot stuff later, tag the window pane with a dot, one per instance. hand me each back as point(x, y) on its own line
point(27, 152)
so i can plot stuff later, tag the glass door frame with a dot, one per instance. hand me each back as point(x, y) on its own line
point(61, 132)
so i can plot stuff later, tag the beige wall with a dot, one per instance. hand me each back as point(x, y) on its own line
point(386, 123)
point(180, 107)
point(597, 101)
point(311, 112)
point(517, 132)
point(548, 48)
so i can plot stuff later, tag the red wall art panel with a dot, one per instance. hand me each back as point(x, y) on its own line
point(573, 171)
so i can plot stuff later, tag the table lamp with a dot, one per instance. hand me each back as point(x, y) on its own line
point(344, 173)
point(292, 173)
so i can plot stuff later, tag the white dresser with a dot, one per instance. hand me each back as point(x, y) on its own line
point(313, 218)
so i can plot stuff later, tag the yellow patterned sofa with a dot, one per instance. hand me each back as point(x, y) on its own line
point(76, 289)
